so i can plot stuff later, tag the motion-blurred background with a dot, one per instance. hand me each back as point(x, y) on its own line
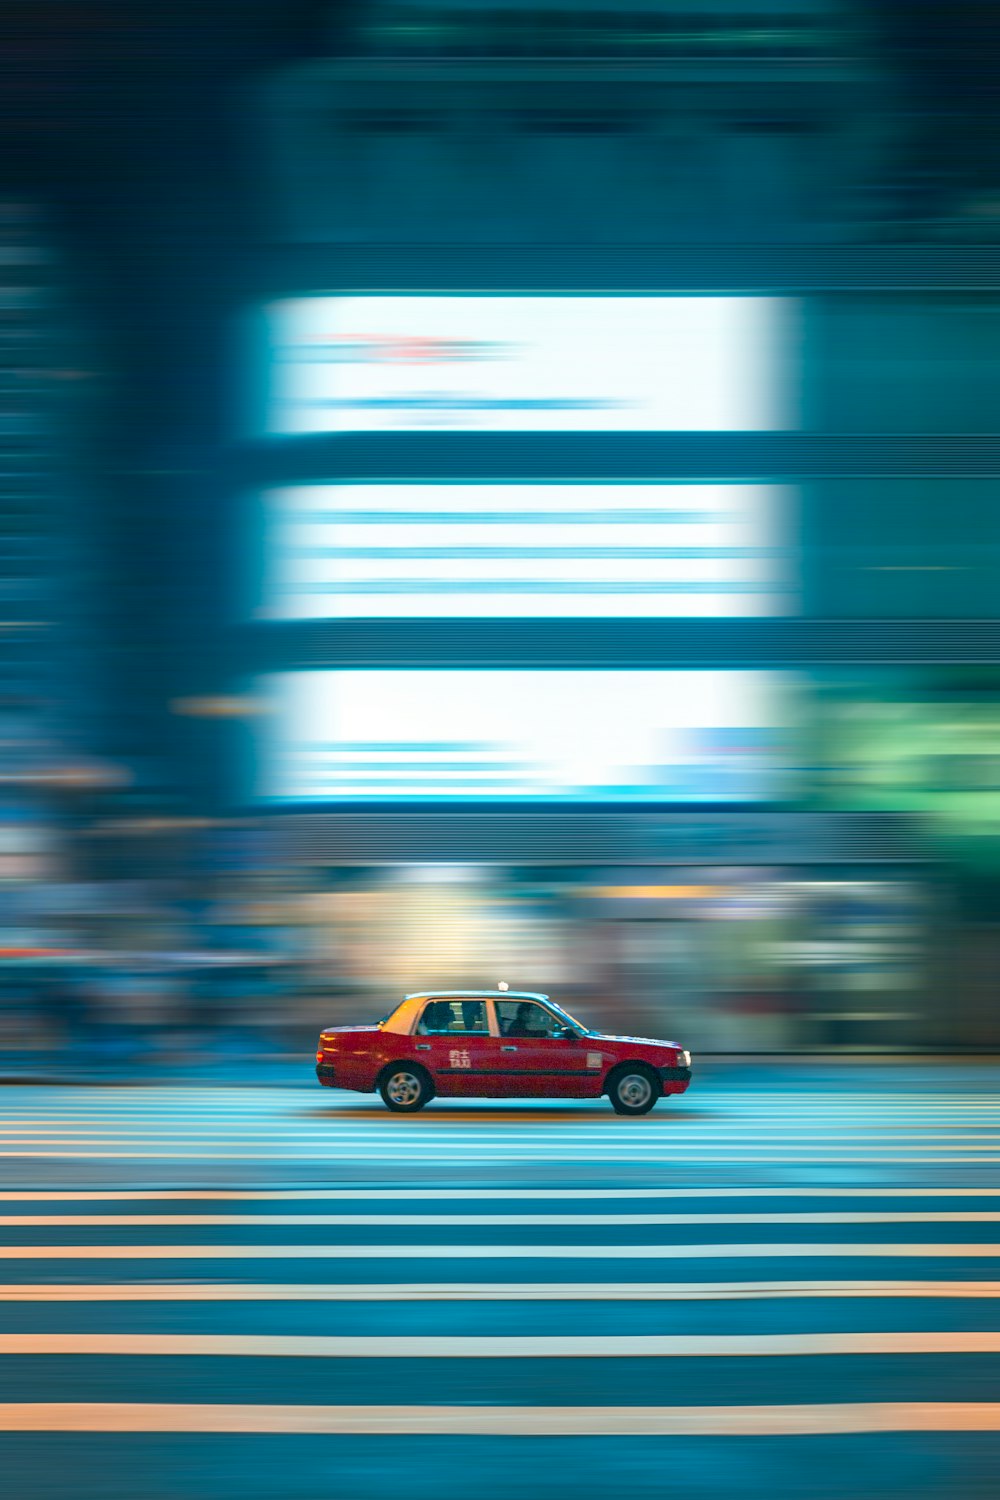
point(499, 491)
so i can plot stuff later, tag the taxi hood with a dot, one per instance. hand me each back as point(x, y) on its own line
point(643, 1041)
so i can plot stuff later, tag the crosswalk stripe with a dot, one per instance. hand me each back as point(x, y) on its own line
point(605, 1220)
point(480, 1110)
point(611, 1140)
point(49, 1103)
point(800, 1148)
point(520, 1346)
point(487, 1291)
point(364, 1114)
point(41, 1145)
point(154, 1134)
point(610, 1132)
point(469, 1121)
point(223, 1095)
point(747, 1153)
point(440, 1127)
point(449, 1126)
point(363, 1111)
point(320, 1154)
point(605, 1130)
point(357, 1110)
point(506, 1421)
point(719, 1251)
point(438, 1194)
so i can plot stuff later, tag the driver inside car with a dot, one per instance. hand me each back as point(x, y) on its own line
point(519, 1026)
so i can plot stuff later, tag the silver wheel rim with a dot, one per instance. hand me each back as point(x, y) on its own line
point(635, 1089)
point(403, 1088)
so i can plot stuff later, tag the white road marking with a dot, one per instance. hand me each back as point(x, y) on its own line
point(824, 1141)
point(597, 1122)
point(506, 1421)
point(500, 1136)
point(746, 1140)
point(600, 1121)
point(449, 1123)
point(422, 1194)
point(487, 1220)
point(321, 1157)
point(522, 1113)
point(304, 1085)
point(486, 1291)
point(480, 1114)
point(517, 1346)
point(724, 1251)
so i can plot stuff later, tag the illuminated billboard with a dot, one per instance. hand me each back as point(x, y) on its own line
point(345, 735)
point(529, 364)
point(382, 551)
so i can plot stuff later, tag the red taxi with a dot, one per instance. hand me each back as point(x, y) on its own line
point(496, 1044)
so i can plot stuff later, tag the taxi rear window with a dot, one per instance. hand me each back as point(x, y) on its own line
point(453, 1018)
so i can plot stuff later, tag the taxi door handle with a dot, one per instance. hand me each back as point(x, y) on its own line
point(508, 1049)
point(423, 1047)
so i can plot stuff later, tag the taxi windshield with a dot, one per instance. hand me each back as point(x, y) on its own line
point(564, 1015)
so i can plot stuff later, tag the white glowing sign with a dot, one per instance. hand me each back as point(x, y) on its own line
point(529, 364)
point(623, 736)
point(381, 551)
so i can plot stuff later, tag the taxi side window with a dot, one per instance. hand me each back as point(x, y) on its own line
point(525, 1018)
point(454, 1018)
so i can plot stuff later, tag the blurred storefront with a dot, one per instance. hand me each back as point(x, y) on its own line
point(734, 958)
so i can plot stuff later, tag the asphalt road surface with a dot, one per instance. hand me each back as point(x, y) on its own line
point(782, 1284)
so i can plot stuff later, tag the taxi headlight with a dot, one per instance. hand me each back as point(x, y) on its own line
point(684, 1059)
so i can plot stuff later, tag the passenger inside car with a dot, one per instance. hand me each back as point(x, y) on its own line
point(436, 1019)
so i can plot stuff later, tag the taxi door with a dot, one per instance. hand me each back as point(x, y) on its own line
point(536, 1060)
point(452, 1041)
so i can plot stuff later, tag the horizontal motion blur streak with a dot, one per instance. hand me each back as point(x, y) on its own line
point(723, 1251)
point(507, 1421)
point(134, 1221)
point(486, 1291)
point(594, 1346)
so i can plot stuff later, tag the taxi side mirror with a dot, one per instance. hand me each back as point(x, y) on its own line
point(564, 1033)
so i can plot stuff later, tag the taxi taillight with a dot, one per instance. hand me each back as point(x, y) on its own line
point(319, 1055)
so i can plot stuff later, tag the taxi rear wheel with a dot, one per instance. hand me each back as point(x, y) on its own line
point(633, 1089)
point(405, 1088)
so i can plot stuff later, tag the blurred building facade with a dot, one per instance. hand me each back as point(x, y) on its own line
point(661, 150)
point(791, 152)
point(50, 691)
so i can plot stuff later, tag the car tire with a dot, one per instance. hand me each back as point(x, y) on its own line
point(405, 1087)
point(633, 1089)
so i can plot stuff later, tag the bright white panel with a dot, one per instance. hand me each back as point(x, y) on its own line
point(530, 364)
point(586, 551)
point(349, 735)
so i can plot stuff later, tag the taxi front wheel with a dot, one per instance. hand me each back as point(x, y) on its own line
point(633, 1089)
point(405, 1088)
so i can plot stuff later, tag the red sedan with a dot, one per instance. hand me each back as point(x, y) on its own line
point(496, 1044)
